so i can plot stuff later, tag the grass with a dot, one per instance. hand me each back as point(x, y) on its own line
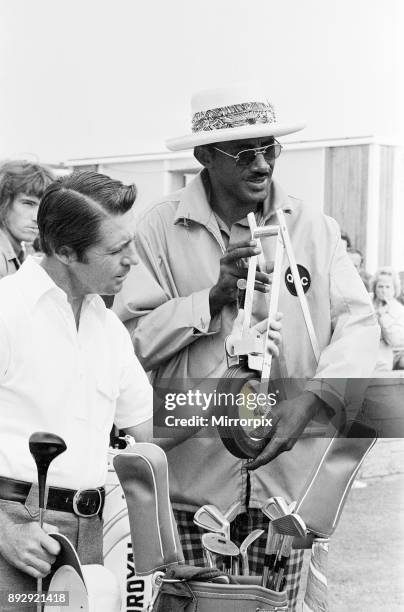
point(366, 559)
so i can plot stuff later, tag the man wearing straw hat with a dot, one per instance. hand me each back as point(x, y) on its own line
point(192, 244)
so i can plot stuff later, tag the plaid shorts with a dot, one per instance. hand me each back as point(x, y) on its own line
point(243, 524)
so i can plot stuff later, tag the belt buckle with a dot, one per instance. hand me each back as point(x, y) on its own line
point(76, 502)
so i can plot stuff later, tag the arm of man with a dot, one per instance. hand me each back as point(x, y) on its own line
point(351, 354)
point(160, 322)
point(25, 546)
point(144, 431)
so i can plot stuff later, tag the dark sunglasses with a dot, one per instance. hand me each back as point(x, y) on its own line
point(247, 156)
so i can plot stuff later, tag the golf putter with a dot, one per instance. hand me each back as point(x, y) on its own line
point(254, 535)
point(44, 447)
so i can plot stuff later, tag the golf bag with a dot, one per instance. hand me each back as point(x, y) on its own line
point(143, 472)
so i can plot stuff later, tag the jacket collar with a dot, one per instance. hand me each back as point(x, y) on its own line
point(194, 203)
point(6, 247)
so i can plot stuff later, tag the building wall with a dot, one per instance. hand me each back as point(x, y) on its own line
point(357, 182)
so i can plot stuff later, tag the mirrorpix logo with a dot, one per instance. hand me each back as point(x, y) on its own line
point(304, 277)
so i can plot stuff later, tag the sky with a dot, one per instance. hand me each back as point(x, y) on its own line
point(86, 78)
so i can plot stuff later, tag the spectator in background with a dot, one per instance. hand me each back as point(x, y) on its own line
point(22, 184)
point(346, 240)
point(357, 260)
point(386, 288)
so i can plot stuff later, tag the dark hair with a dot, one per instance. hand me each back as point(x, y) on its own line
point(73, 207)
point(19, 176)
point(344, 236)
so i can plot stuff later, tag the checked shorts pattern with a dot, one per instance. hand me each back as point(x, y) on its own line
point(243, 524)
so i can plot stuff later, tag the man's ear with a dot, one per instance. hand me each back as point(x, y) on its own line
point(66, 255)
point(204, 155)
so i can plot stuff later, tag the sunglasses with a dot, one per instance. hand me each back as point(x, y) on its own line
point(247, 156)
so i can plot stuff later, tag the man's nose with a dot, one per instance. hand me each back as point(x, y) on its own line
point(131, 258)
point(260, 164)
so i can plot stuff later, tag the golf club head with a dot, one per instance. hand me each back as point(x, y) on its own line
point(290, 525)
point(273, 509)
point(210, 518)
point(282, 505)
point(215, 543)
point(44, 447)
point(254, 535)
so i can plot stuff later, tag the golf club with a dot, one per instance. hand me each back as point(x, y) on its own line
point(210, 518)
point(216, 544)
point(288, 527)
point(44, 447)
point(233, 511)
point(273, 508)
point(278, 572)
point(254, 535)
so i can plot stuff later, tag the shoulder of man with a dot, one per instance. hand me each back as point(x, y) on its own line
point(13, 310)
point(304, 212)
point(9, 289)
point(162, 210)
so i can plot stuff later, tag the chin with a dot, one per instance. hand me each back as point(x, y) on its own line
point(256, 195)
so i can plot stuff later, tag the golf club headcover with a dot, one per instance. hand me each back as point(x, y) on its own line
point(324, 494)
point(143, 473)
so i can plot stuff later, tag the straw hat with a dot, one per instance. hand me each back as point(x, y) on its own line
point(235, 112)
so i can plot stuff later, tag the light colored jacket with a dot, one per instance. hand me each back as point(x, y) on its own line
point(9, 263)
point(180, 246)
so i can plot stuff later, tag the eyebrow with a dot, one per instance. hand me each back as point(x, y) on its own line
point(120, 245)
point(30, 199)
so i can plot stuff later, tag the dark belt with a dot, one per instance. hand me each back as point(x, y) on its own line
point(83, 502)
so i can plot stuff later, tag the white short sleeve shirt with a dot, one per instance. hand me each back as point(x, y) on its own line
point(55, 378)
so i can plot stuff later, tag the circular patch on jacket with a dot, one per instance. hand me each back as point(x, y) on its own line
point(304, 277)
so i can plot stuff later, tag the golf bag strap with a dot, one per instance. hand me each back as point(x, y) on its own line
point(298, 284)
point(143, 473)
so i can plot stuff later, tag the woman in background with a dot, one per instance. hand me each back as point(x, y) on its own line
point(386, 288)
point(21, 187)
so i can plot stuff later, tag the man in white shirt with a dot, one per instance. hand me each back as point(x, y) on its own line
point(66, 366)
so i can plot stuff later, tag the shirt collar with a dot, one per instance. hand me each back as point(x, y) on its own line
point(36, 282)
point(194, 202)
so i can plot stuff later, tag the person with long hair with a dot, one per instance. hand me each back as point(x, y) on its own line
point(22, 185)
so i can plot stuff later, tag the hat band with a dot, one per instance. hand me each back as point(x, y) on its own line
point(237, 115)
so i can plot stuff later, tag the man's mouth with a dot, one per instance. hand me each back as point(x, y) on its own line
point(257, 179)
point(122, 275)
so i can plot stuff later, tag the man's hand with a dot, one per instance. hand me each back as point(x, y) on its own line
point(232, 267)
point(289, 419)
point(28, 547)
point(257, 331)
